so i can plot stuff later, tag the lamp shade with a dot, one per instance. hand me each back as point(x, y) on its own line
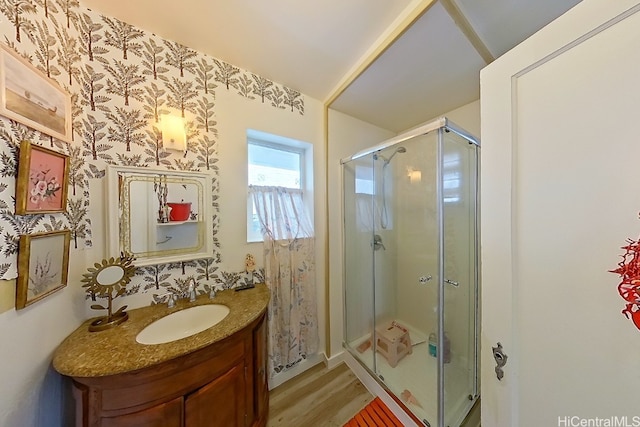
point(174, 136)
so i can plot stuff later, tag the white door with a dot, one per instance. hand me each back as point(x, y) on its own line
point(560, 194)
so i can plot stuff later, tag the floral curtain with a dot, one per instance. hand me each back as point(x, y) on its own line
point(290, 274)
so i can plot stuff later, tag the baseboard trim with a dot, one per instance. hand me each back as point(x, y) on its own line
point(334, 360)
point(284, 376)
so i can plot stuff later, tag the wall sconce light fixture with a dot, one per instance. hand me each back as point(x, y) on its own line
point(174, 136)
point(415, 176)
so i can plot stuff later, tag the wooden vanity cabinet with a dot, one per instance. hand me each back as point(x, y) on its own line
point(219, 403)
point(164, 414)
point(261, 394)
point(223, 384)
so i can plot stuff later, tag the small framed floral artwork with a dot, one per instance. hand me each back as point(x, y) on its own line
point(28, 96)
point(43, 264)
point(43, 177)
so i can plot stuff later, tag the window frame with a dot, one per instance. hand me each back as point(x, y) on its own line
point(280, 147)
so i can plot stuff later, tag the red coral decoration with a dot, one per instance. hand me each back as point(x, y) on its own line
point(629, 288)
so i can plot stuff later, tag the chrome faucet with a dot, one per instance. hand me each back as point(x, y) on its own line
point(191, 290)
point(377, 243)
point(171, 302)
point(189, 293)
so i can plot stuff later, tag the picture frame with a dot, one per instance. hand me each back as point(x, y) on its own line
point(43, 266)
point(43, 180)
point(29, 97)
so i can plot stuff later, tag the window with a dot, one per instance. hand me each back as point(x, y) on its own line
point(364, 180)
point(275, 161)
point(451, 177)
point(274, 165)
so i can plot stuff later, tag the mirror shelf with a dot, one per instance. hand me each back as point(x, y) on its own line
point(159, 216)
point(172, 223)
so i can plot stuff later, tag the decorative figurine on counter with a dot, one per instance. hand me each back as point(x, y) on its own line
point(249, 268)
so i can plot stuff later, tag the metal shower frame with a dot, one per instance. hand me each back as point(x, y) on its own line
point(441, 125)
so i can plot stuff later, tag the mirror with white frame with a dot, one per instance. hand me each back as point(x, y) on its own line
point(159, 216)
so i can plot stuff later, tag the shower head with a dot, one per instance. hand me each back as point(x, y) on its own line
point(398, 150)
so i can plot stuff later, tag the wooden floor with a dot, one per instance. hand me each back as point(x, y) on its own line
point(318, 397)
point(326, 398)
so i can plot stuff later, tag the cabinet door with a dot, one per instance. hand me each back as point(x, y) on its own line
point(219, 403)
point(167, 414)
point(261, 388)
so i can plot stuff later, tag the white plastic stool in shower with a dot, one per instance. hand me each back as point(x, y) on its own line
point(393, 343)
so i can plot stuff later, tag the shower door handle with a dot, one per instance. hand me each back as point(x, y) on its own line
point(424, 279)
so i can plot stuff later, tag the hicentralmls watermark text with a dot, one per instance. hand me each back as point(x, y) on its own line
point(615, 421)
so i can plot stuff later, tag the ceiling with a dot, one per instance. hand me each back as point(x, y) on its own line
point(311, 46)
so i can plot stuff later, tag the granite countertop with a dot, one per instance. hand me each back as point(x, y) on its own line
point(115, 350)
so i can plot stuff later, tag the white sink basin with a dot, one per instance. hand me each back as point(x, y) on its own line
point(182, 324)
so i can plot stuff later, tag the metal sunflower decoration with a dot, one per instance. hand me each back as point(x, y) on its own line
point(108, 279)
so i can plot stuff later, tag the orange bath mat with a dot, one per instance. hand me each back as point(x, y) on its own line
point(375, 414)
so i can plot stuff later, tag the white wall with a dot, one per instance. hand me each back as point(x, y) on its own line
point(32, 393)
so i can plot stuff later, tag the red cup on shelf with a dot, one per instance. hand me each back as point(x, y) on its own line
point(179, 211)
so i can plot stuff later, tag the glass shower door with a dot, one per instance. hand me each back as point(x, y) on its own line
point(406, 272)
point(460, 239)
point(411, 270)
point(359, 217)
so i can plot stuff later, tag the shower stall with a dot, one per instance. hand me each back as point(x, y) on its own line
point(411, 268)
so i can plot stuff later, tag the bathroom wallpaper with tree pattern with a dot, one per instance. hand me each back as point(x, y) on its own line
point(122, 79)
